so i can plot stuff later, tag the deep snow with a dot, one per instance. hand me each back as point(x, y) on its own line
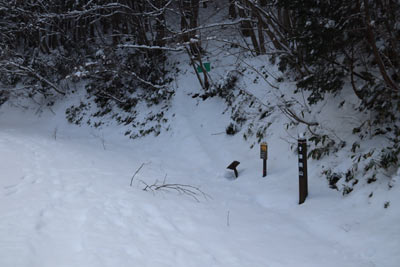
point(65, 198)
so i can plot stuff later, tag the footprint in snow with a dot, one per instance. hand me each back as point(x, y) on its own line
point(13, 188)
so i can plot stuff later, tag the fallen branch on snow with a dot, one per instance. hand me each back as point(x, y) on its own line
point(184, 189)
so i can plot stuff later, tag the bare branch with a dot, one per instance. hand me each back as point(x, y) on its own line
point(178, 49)
point(148, 83)
point(183, 189)
point(37, 76)
point(294, 116)
point(136, 172)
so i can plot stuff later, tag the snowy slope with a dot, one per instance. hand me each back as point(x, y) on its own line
point(65, 198)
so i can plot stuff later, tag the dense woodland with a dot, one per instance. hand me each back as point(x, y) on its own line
point(122, 50)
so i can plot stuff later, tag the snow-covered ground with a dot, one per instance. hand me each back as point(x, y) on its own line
point(66, 199)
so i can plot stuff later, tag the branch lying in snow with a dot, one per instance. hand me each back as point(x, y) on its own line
point(183, 189)
point(218, 133)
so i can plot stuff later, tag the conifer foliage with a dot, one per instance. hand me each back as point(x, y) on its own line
point(330, 47)
point(117, 48)
point(329, 43)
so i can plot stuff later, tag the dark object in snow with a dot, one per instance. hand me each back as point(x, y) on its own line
point(232, 129)
point(233, 166)
point(264, 156)
point(303, 177)
point(386, 205)
point(203, 96)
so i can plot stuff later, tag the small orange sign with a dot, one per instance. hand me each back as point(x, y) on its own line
point(263, 150)
point(264, 147)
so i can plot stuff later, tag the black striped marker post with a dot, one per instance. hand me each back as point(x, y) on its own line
point(303, 176)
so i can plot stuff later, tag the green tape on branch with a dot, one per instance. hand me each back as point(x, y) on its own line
point(206, 66)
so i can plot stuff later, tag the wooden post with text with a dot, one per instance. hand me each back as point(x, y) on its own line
point(303, 176)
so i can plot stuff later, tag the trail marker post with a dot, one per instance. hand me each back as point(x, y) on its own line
point(303, 176)
point(264, 156)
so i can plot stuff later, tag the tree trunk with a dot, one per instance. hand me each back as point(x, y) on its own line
point(232, 9)
point(261, 35)
point(372, 42)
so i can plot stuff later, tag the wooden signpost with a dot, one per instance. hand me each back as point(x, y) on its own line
point(264, 156)
point(303, 176)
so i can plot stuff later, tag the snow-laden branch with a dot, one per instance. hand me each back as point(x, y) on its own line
point(291, 114)
point(36, 75)
point(104, 93)
point(212, 25)
point(177, 49)
point(96, 8)
point(181, 48)
point(156, 86)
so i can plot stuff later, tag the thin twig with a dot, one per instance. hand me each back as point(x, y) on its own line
point(218, 133)
point(141, 166)
point(55, 133)
point(103, 142)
